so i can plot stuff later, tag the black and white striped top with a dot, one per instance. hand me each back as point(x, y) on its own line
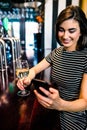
point(67, 72)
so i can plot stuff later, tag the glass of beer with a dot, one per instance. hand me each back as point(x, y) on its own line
point(22, 70)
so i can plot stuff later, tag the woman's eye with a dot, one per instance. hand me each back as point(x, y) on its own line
point(61, 30)
point(72, 30)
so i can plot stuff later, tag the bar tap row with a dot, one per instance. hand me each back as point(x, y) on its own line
point(10, 51)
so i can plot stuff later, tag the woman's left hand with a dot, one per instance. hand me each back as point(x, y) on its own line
point(52, 101)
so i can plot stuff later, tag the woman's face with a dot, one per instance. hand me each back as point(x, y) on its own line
point(69, 33)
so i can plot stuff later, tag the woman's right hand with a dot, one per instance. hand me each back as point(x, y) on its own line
point(22, 81)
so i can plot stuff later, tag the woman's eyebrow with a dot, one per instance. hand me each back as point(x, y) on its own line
point(72, 28)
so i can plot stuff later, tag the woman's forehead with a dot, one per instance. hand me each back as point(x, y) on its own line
point(70, 23)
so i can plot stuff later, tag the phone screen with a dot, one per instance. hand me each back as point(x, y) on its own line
point(40, 83)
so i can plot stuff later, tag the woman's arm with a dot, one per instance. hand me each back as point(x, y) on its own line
point(38, 68)
point(81, 103)
point(32, 73)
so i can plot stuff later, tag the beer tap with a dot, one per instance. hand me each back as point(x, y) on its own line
point(3, 65)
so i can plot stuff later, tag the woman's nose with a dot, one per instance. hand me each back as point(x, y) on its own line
point(65, 35)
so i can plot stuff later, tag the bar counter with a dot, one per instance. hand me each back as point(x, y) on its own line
point(21, 113)
point(15, 111)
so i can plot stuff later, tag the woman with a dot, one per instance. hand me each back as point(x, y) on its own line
point(69, 71)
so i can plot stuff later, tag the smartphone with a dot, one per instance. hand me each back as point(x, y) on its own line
point(40, 83)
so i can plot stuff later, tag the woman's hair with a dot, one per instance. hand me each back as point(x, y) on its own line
point(76, 13)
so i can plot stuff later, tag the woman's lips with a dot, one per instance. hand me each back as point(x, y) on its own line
point(66, 42)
